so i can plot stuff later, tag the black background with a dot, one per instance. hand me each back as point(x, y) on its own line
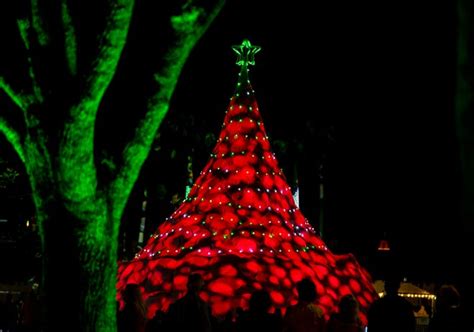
point(368, 86)
point(380, 79)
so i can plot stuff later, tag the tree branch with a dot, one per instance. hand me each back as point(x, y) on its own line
point(70, 43)
point(109, 51)
point(23, 26)
point(13, 137)
point(38, 24)
point(76, 165)
point(22, 101)
point(188, 27)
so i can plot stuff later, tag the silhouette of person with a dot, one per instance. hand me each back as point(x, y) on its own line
point(391, 312)
point(226, 324)
point(191, 313)
point(347, 317)
point(305, 315)
point(133, 315)
point(157, 323)
point(257, 318)
point(449, 315)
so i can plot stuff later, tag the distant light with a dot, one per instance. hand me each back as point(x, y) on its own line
point(383, 246)
point(413, 295)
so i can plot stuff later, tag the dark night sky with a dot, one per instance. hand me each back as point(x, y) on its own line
point(381, 75)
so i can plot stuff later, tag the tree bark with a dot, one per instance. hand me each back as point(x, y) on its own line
point(79, 250)
point(79, 268)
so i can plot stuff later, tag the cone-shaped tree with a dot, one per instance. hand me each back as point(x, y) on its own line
point(240, 228)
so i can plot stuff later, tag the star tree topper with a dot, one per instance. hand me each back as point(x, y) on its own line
point(246, 53)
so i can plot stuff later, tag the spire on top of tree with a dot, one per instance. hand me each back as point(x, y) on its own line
point(240, 228)
point(245, 57)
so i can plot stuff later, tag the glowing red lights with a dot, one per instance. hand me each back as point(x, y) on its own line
point(240, 228)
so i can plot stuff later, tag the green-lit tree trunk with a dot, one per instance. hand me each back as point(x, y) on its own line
point(80, 271)
point(79, 250)
point(78, 211)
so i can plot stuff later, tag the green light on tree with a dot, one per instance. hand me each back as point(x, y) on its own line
point(78, 210)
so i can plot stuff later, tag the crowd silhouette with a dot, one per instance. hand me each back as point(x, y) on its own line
point(22, 313)
point(305, 315)
point(191, 313)
point(346, 319)
point(449, 315)
point(132, 317)
point(389, 313)
point(257, 318)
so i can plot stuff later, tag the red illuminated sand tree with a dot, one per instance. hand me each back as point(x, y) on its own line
point(240, 228)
